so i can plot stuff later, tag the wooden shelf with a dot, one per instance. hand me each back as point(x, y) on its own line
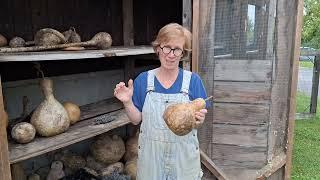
point(83, 54)
point(86, 128)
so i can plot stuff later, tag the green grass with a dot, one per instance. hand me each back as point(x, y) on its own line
point(306, 147)
point(306, 64)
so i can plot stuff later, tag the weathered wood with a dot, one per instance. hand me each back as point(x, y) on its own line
point(242, 70)
point(187, 22)
point(4, 152)
point(239, 156)
point(64, 55)
point(239, 173)
point(212, 166)
point(242, 92)
point(204, 65)
point(276, 163)
point(241, 114)
point(80, 131)
point(17, 172)
point(195, 35)
point(315, 85)
point(128, 27)
point(294, 65)
point(251, 136)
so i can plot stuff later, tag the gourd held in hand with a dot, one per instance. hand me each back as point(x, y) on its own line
point(50, 118)
point(181, 118)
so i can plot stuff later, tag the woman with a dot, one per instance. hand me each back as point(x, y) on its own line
point(162, 154)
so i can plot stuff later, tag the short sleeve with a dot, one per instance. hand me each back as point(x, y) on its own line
point(139, 90)
point(197, 89)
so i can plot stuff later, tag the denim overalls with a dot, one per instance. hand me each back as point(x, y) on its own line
point(162, 154)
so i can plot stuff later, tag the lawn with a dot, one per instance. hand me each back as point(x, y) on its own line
point(306, 147)
point(306, 64)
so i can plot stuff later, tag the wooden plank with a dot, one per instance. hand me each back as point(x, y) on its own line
point(128, 28)
point(212, 166)
point(276, 163)
point(293, 85)
point(76, 133)
point(241, 135)
point(195, 35)
point(4, 152)
point(65, 55)
point(242, 114)
point(242, 92)
point(238, 173)
point(243, 70)
point(239, 156)
point(187, 22)
point(315, 85)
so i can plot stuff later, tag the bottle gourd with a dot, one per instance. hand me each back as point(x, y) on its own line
point(50, 118)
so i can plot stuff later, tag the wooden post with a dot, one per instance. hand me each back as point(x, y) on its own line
point(315, 85)
point(4, 152)
point(186, 22)
point(128, 29)
point(293, 86)
point(195, 35)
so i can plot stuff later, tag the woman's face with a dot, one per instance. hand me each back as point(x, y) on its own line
point(170, 53)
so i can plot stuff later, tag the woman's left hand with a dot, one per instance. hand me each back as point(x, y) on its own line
point(200, 116)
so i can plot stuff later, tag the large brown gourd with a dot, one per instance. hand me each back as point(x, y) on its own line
point(3, 41)
point(132, 147)
point(50, 118)
point(108, 149)
point(180, 117)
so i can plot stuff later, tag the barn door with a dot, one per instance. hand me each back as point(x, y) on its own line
point(245, 57)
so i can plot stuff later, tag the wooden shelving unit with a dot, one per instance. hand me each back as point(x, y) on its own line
point(109, 109)
point(83, 54)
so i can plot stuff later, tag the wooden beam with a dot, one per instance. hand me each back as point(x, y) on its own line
point(186, 22)
point(206, 161)
point(128, 29)
point(4, 152)
point(293, 86)
point(275, 164)
point(195, 35)
point(315, 85)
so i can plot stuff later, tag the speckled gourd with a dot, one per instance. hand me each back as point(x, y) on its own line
point(180, 117)
point(50, 118)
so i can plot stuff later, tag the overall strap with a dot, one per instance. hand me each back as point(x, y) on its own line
point(150, 80)
point(186, 81)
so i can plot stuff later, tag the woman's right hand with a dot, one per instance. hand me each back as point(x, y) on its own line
point(124, 93)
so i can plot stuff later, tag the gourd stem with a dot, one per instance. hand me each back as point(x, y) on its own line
point(208, 98)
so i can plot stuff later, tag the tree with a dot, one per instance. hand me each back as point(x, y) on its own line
point(311, 24)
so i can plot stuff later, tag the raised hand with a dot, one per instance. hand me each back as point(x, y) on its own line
point(124, 93)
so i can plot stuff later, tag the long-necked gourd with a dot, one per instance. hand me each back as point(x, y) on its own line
point(50, 118)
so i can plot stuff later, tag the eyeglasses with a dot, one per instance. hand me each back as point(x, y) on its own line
point(167, 50)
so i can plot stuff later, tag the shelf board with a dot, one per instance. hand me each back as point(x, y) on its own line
point(82, 54)
point(80, 131)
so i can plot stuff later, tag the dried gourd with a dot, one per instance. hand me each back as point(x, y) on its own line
point(117, 167)
point(23, 132)
point(73, 111)
point(73, 162)
point(107, 149)
point(49, 36)
point(130, 168)
point(72, 36)
point(3, 41)
point(50, 117)
point(132, 147)
point(180, 117)
point(17, 42)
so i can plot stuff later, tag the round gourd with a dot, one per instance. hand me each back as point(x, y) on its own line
point(23, 132)
point(3, 41)
point(130, 168)
point(132, 147)
point(17, 42)
point(107, 149)
point(117, 167)
point(74, 162)
point(73, 112)
point(72, 36)
point(50, 117)
point(180, 117)
point(49, 36)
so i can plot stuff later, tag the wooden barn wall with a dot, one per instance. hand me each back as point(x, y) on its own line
point(150, 16)
point(24, 18)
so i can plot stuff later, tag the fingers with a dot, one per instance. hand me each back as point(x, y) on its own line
point(118, 87)
point(130, 84)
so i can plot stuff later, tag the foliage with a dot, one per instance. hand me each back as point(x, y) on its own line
point(306, 147)
point(311, 24)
